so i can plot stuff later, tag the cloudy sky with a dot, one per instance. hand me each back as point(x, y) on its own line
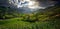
point(28, 4)
point(32, 3)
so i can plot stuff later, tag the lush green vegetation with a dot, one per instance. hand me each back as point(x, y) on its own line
point(49, 18)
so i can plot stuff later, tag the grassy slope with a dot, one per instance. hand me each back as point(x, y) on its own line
point(16, 23)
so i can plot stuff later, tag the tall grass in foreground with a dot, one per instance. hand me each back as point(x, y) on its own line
point(15, 24)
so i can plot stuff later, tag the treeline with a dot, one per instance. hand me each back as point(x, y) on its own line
point(7, 12)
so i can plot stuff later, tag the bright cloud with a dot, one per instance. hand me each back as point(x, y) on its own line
point(25, 3)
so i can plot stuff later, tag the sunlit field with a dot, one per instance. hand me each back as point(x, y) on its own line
point(16, 23)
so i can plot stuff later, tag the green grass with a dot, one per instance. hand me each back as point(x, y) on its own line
point(16, 23)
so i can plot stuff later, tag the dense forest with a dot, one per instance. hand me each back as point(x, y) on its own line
point(47, 18)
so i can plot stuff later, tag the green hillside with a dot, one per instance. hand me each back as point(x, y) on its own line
point(48, 19)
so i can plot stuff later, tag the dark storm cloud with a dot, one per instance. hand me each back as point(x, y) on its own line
point(43, 3)
point(58, 1)
point(46, 3)
point(3, 2)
